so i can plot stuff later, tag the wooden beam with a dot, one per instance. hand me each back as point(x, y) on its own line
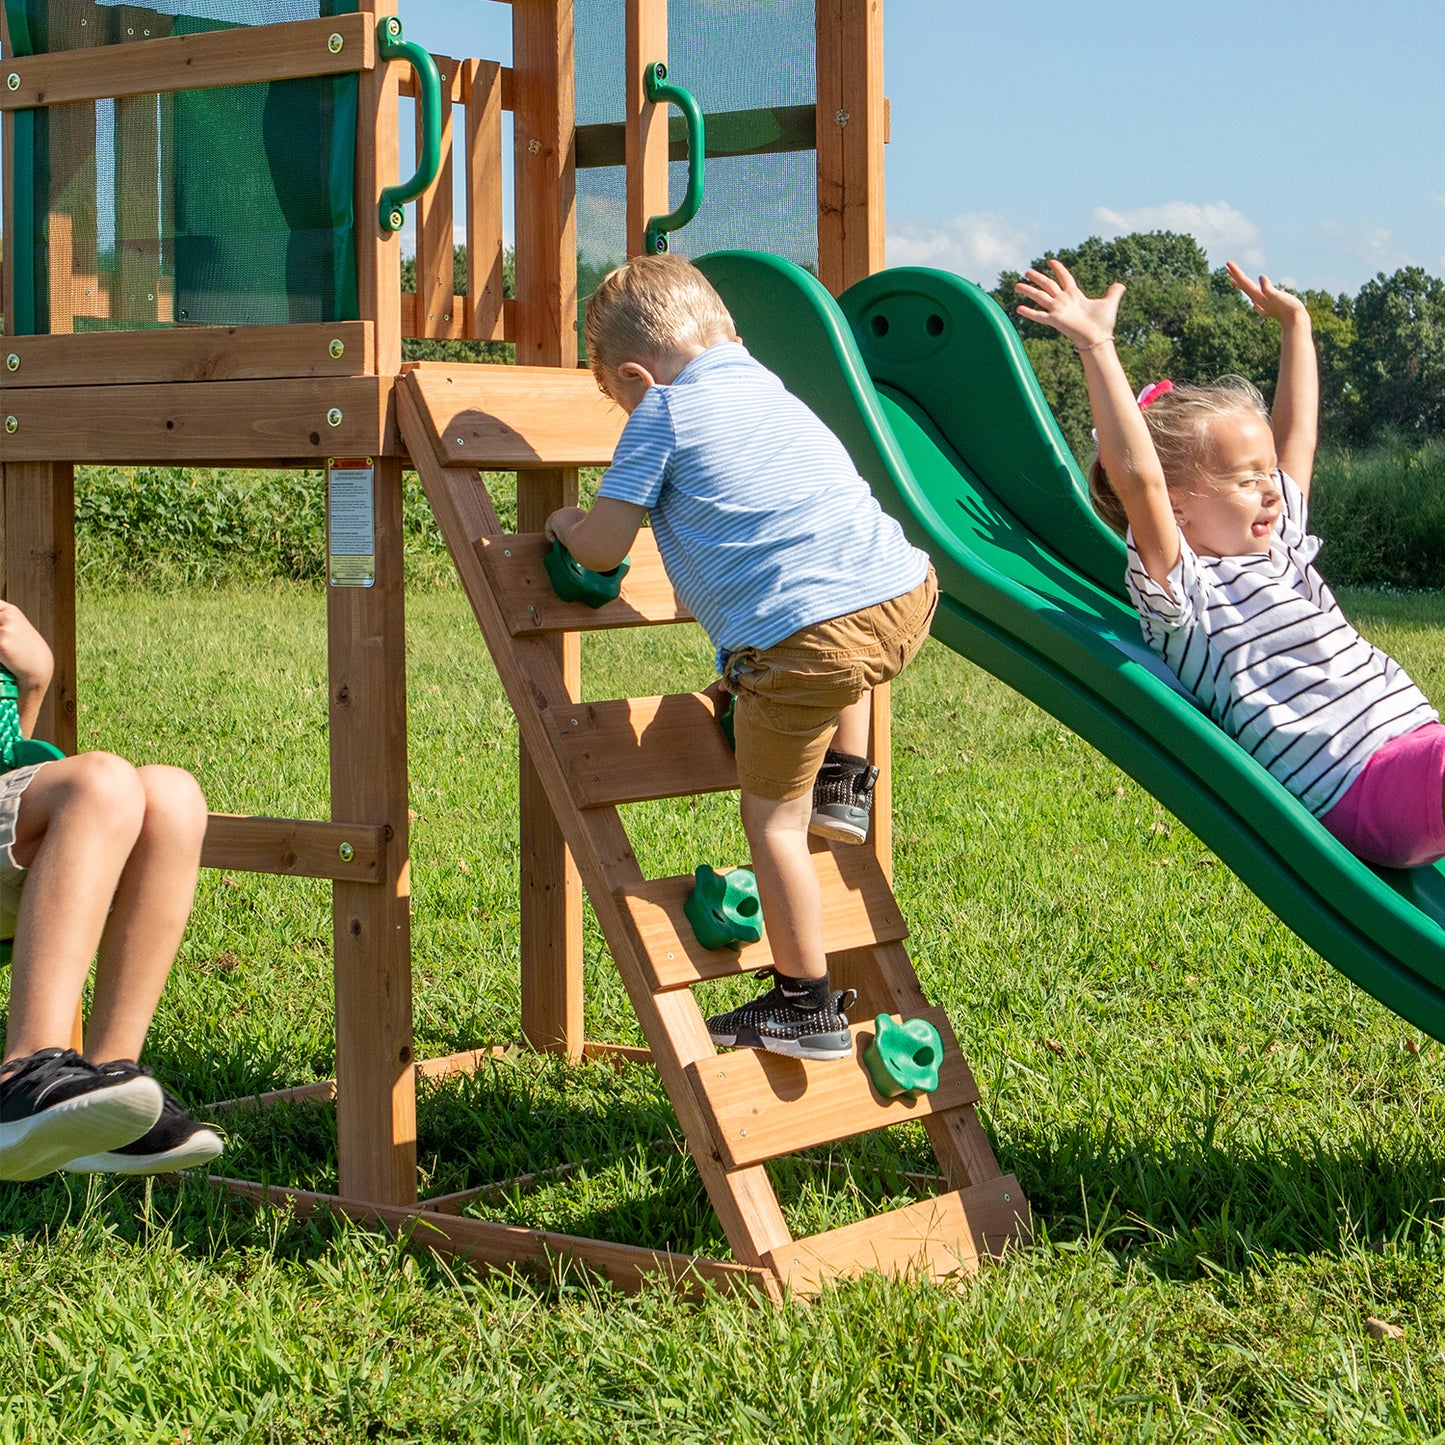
point(482, 95)
point(296, 847)
point(194, 423)
point(378, 163)
point(646, 142)
point(189, 353)
point(239, 56)
point(435, 228)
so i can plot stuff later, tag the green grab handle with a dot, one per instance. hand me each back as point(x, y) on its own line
point(659, 91)
point(727, 721)
point(391, 46)
point(724, 908)
point(16, 750)
point(573, 582)
point(903, 1058)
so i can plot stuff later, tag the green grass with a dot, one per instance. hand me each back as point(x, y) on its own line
point(1233, 1155)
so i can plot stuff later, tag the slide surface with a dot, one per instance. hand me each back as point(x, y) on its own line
point(923, 378)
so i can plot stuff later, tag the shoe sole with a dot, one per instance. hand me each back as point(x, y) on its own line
point(91, 1123)
point(200, 1148)
point(793, 1048)
point(836, 831)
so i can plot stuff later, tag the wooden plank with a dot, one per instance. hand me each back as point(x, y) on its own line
point(366, 651)
point(188, 353)
point(136, 285)
point(504, 78)
point(508, 417)
point(762, 1105)
point(435, 229)
point(482, 95)
point(646, 140)
point(634, 749)
point(187, 422)
point(296, 847)
point(190, 62)
point(456, 328)
point(828, 58)
point(858, 910)
point(531, 604)
point(39, 575)
point(938, 1239)
point(378, 164)
point(482, 1243)
point(863, 135)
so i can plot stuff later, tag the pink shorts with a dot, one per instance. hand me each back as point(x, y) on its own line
point(1392, 814)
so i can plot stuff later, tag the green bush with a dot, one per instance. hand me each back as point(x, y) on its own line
point(1381, 513)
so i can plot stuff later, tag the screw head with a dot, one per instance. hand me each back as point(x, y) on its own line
point(346, 852)
point(12, 362)
point(397, 218)
point(333, 417)
point(334, 43)
point(842, 117)
point(534, 146)
point(393, 27)
point(337, 349)
point(13, 81)
point(12, 424)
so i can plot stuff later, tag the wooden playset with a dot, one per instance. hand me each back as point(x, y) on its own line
point(130, 339)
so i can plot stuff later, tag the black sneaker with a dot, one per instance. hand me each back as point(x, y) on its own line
point(175, 1141)
point(55, 1105)
point(774, 1022)
point(843, 798)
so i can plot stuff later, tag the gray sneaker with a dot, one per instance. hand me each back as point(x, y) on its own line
point(843, 798)
point(774, 1022)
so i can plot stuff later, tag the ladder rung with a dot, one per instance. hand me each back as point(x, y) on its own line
point(634, 749)
point(932, 1238)
point(762, 1105)
point(858, 909)
point(529, 603)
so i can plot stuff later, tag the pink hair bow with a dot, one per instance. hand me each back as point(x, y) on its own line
point(1151, 394)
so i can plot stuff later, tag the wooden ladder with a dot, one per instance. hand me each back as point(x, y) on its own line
point(737, 1109)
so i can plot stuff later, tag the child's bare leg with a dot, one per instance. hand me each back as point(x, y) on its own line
point(854, 728)
point(78, 821)
point(787, 884)
point(152, 903)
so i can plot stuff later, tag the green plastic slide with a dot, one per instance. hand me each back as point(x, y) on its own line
point(921, 375)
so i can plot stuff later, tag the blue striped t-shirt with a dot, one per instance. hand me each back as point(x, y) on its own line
point(763, 523)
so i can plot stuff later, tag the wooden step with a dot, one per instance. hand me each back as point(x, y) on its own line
point(761, 1105)
point(858, 910)
point(505, 417)
point(934, 1239)
point(634, 749)
point(528, 602)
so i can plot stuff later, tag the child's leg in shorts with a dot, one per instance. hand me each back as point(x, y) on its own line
point(788, 888)
point(855, 726)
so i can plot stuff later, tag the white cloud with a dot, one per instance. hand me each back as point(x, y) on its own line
point(1439, 196)
point(1376, 248)
point(977, 244)
point(1225, 233)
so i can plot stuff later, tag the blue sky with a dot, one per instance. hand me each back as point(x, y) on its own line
point(1300, 138)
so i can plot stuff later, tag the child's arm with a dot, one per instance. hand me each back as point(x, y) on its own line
point(1296, 412)
point(24, 651)
point(1125, 446)
point(601, 538)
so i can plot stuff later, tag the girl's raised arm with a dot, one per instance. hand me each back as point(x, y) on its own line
point(1125, 447)
point(1296, 411)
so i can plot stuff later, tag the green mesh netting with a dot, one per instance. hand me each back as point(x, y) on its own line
point(751, 64)
point(230, 206)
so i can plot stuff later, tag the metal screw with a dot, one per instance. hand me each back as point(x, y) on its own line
point(333, 417)
point(461, 442)
point(12, 362)
point(575, 722)
point(397, 217)
point(742, 1133)
point(337, 349)
point(1007, 1198)
point(346, 852)
point(13, 81)
point(12, 424)
point(506, 551)
point(334, 43)
point(530, 608)
point(534, 147)
point(842, 118)
point(393, 27)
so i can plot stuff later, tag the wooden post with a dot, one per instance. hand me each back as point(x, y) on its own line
point(375, 1089)
point(646, 123)
point(546, 329)
point(378, 159)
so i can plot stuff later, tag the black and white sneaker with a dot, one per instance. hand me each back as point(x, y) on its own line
point(175, 1141)
point(843, 798)
point(783, 1025)
point(55, 1105)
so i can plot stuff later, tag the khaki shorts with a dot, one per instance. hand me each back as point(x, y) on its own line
point(789, 695)
point(12, 785)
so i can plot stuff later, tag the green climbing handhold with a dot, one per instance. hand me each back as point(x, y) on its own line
point(727, 721)
point(903, 1058)
point(16, 750)
point(723, 908)
point(574, 583)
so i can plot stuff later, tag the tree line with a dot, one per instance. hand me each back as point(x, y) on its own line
point(1382, 351)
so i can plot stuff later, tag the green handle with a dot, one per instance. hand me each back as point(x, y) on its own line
point(660, 91)
point(16, 750)
point(390, 46)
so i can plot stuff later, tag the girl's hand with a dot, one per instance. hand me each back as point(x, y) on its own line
point(1058, 302)
point(1284, 306)
point(24, 651)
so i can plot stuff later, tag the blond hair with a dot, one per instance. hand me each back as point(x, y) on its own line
point(651, 308)
point(1178, 425)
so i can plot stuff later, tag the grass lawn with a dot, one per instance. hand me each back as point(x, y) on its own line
point(1234, 1156)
